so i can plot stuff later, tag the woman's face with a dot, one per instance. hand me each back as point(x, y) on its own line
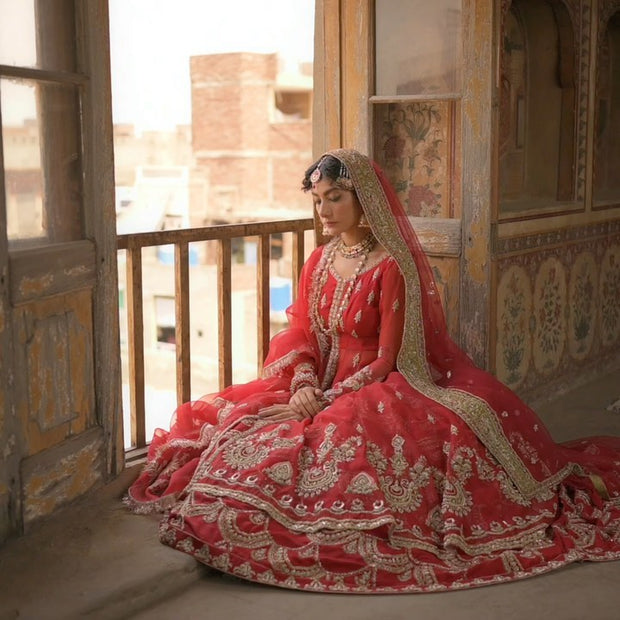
point(338, 209)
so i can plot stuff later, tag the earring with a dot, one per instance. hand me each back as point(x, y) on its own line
point(363, 223)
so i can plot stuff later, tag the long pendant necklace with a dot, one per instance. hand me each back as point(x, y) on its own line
point(337, 309)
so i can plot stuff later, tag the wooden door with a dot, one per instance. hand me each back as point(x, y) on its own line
point(60, 410)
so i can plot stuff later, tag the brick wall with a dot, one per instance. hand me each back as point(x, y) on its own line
point(251, 161)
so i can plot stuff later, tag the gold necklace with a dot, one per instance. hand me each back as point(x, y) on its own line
point(353, 251)
point(336, 311)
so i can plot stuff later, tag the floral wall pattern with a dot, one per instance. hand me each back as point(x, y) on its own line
point(582, 306)
point(515, 308)
point(549, 314)
point(413, 144)
point(609, 295)
point(557, 307)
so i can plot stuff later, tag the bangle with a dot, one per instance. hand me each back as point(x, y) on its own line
point(304, 377)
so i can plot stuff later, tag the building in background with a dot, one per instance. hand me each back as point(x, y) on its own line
point(241, 159)
point(251, 135)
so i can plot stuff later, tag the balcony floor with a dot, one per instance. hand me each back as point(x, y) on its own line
point(95, 560)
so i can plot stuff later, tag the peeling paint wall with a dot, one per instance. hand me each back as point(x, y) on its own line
point(55, 401)
point(58, 475)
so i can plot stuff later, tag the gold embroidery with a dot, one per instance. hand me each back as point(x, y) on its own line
point(362, 484)
point(511, 563)
point(456, 499)
point(400, 482)
point(227, 523)
point(301, 567)
point(244, 454)
point(249, 450)
point(314, 479)
point(526, 449)
point(221, 562)
point(282, 473)
point(244, 571)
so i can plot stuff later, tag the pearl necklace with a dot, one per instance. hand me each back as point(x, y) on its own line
point(336, 312)
point(353, 251)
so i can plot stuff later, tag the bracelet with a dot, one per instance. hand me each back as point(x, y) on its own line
point(304, 377)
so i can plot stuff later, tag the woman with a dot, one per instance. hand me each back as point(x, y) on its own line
point(373, 456)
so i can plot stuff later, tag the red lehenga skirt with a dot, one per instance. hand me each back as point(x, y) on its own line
point(384, 491)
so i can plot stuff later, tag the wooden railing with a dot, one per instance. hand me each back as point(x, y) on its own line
point(222, 234)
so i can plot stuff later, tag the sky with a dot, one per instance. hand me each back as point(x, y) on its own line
point(151, 42)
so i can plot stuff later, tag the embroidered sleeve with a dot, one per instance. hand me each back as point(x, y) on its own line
point(392, 309)
point(293, 352)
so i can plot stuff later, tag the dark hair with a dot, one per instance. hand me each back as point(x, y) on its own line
point(330, 167)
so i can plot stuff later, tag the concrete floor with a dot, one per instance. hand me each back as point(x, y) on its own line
point(95, 560)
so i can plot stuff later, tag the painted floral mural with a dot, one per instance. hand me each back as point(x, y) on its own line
point(412, 146)
point(610, 294)
point(582, 305)
point(513, 340)
point(549, 306)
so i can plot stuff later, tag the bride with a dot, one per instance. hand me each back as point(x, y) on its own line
point(372, 455)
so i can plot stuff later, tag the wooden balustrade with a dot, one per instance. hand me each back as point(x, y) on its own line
point(222, 234)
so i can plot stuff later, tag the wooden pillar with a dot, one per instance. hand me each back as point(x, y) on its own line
point(100, 220)
point(326, 109)
point(479, 171)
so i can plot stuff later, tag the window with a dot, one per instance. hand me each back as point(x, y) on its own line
point(417, 47)
point(40, 104)
point(418, 82)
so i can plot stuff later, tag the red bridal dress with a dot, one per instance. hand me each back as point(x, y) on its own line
point(423, 473)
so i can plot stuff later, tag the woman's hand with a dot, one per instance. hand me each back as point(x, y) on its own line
point(280, 413)
point(307, 401)
point(303, 405)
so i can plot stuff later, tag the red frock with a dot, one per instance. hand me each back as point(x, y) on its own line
point(387, 489)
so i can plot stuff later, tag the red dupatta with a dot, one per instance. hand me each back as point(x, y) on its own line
point(502, 422)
